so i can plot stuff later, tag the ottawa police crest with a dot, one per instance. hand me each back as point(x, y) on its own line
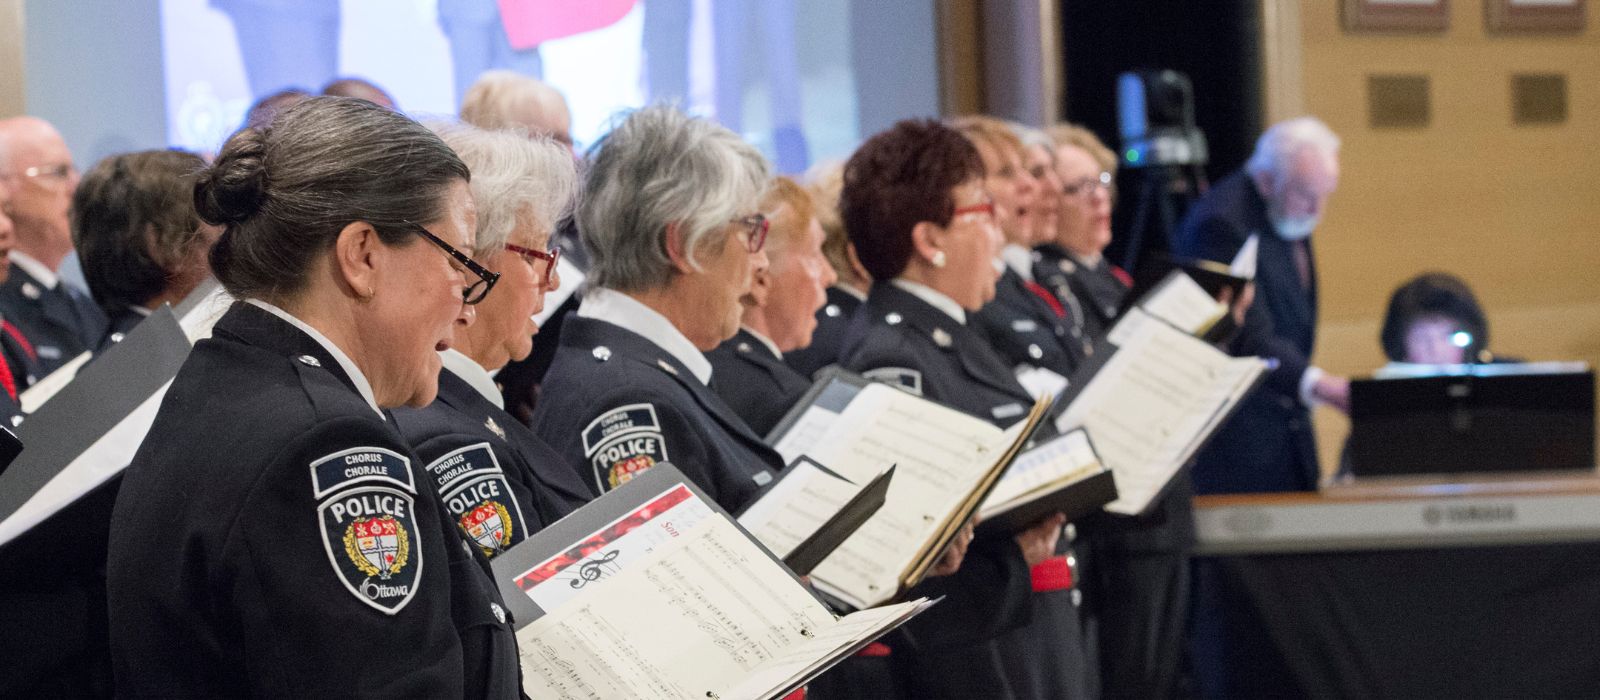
point(489, 524)
point(623, 444)
point(377, 546)
point(369, 524)
point(477, 494)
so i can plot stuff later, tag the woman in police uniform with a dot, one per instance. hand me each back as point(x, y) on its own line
point(274, 536)
point(499, 481)
point(670, 216)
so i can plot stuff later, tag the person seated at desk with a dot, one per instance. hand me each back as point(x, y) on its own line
point(1434, 319)
point(500, 482)
point(779, 315)
point(137, 235)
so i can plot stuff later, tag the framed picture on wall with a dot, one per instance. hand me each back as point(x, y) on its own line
point(1534, 15)
point(1396, 15)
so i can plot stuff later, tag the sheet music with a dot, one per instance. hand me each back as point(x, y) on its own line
point(1057, 461)
point(697, 614)
point(796, 507)
point(1040, 381)
point(805, 433)
point(783, 670)
point(45, 389)
point(941, 455)
point(1152, 404)
point(1244, 262)
point(1180, 301)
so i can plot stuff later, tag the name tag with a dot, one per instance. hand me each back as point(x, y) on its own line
point(1024, 326)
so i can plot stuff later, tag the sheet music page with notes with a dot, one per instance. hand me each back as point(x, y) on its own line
point(1180, 301)
point(1152, 404)
point(782, 670)
point(694, 616)
point(941, 454)
point(802, 501)
point(805, 433)
point(1054, 462)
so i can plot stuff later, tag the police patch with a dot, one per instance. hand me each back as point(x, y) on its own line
point(374, 544)
point(360, 464)
point(623, 443)
point(909, 380)
point(476, 493)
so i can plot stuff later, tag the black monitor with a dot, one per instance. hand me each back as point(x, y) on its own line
point(1473, 419)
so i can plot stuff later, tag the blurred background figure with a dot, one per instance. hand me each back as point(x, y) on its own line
point(852, 281)
point(267, 108)
point(59, 320)
point(137, 235)
point(504, 99)
point(780, 313)
point(359, 88)
point(479, 43)
point(1072, 263)
point(1435, 319)
point(285, 42)
point(18, 364)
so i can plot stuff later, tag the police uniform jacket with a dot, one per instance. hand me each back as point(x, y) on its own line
point(60, 321)
point(274, 537)
point(1024, 330)
point(1267, 445)
point(616, 403)
point(119, 324)
point(1097, 288)
point(754, 381)
point(833, 319)
point(499, 481)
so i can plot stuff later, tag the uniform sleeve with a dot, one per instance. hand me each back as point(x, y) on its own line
point(990, 594)
point(337, 574)
point(630, 435)
point(484, 489)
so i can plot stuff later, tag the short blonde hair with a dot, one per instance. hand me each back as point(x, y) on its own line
point(824, 182)
point(1065, 134)
point(501, 99)
point(788, 196)
point(988, 131)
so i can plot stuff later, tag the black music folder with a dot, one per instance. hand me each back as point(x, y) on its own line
point(1059, 475)
point(1473, 419)
point(809, 511)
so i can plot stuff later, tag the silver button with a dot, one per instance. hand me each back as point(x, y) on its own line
point(117, 337)
point(941, 338)
point(1034, 351)
point(602, 353)
point(893, 319)
point(1070, 532)
point(499, 612)
point(309, 360)
point(832, 310)
point(744, 347)
point(1077, 597)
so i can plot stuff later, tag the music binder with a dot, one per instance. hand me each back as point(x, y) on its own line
point(1060, 475)
point(652, 590)
point(809, 511)
point(1144, 436)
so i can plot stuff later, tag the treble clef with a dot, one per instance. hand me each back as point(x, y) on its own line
point(592, 569)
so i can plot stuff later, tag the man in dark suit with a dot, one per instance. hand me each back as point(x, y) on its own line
point(1278, 198)
point(58, 320)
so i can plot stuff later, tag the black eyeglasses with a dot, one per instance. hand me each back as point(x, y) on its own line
point(475, 292)
point(756, 227)
point(550, 258)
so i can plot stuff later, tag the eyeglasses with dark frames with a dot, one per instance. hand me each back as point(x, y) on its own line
point(756, 227)
point(550, 258)
point(474, 292)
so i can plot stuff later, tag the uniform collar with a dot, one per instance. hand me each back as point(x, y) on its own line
point(852, 291)
point(764, 340)
point(473, 374)
point(40, 273)
point(933, 297)
point(1087, 261)
point(345, 363)
point(1019, 259)
point(619, 309)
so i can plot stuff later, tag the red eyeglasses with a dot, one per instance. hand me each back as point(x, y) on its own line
point(984, 208)
point(550, 258)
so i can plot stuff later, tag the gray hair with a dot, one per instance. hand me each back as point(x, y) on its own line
point(1033, 137)
point(660, 167)
point(1277, 148)
point(515, 179)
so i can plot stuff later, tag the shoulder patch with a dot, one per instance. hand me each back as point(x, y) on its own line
point(359, 464)
point(900, 377)
point(476, 493)
point(623, 443)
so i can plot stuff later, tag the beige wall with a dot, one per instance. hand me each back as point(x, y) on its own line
point(1513, 210)
point(11, 58)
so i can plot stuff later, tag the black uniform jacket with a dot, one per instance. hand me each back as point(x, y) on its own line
point(120, 324)
point(273, 538)
point(1024, 330)
point(900, 339)
point(755, 383)
point(614, 404)
point(1268, 444)
point(61, 323)
point(1096, 289)
point(497, 479)
point(833, 319)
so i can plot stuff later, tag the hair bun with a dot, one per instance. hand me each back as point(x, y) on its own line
point(234, 188)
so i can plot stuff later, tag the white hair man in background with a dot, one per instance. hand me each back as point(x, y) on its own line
point(1278, 198)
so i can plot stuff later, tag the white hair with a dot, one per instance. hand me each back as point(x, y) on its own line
point(1277, 148)
point(657, 168)
point(515, 179)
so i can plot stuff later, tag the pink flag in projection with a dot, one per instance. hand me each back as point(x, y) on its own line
point(529, 23)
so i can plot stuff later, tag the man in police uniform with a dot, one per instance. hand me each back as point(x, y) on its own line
point(670, 217)
point(749, 368)
point(60, 321)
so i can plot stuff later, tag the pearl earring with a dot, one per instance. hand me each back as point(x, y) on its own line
point(938, 258)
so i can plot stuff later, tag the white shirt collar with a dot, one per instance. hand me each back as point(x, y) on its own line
point(1019, 259)
point(614, 307)
point(36, 269)
point(345, 363)
point(852, 291)
point(934, 298)
point(764, 341)
point(1089, 261)
point(468, 369)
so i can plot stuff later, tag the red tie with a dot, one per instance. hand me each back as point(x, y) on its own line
point(1049, 298)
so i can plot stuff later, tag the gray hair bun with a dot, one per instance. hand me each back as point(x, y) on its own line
point(234, 188)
